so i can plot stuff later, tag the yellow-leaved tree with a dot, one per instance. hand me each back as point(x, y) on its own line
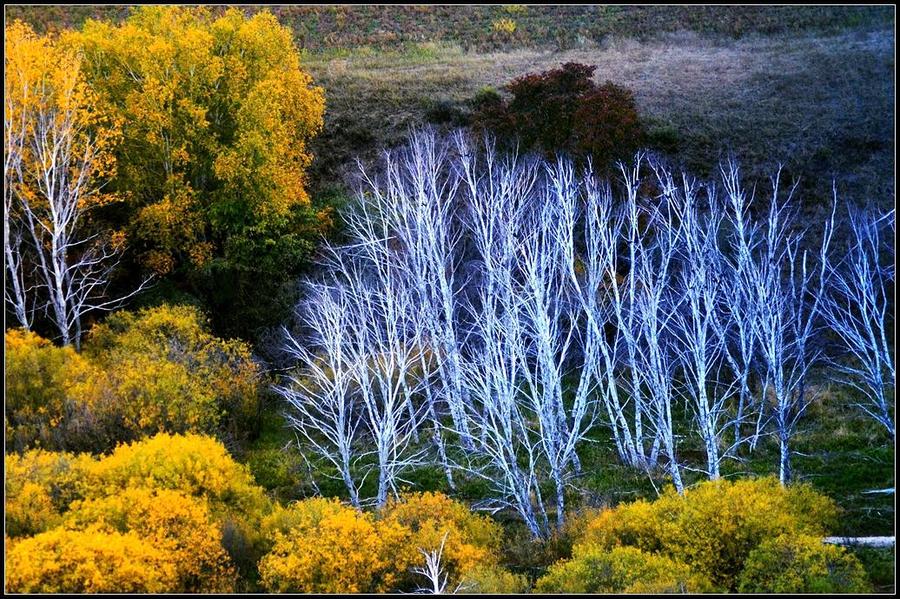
point(58, 156)
point(216, 116)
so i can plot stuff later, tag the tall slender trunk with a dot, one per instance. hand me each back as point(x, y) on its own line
point(348, 482)
point(381, 498)
point(784, 461)
point(560, 502)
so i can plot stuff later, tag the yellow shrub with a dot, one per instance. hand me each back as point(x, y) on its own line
point(504, 25)
point(46, 403)
point(193, 464)
point(621, 570)
point(715, 525)
point(29, 510)
point(493, 580)
point(140, 373)
point(169, 520)
point(320, 545)
point(802, 564)
point(90, 561)
point(329, 548)
point(163, 371)
point(471, 539)
point(184, 494)
point(635, 524)
point(304, 515)
point(40, 485)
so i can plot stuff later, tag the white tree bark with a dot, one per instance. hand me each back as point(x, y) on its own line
point(50, 163)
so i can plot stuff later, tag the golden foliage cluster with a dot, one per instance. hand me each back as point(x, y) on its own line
point(152, 515)
point(140, 373)
point(147, 518)
point(322, 546)
point(44, 79)
point(217, 114)
point(704, 538)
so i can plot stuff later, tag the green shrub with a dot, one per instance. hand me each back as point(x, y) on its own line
point(802, 564)
point(621, 570)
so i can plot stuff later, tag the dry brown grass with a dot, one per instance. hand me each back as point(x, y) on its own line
point(821, 104)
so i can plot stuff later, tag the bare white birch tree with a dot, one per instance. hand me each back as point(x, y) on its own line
point(504, 425)
point(857, 311)
point(702, 344)
point(416, 198)
point(601, 298)
point(511, 303)
point(386, 356)
point(324, 409)
point(646, 310)
point(790, 292)
point(739, 300)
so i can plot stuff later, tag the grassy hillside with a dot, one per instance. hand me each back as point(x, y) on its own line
point(514, 25)
point(820, 103)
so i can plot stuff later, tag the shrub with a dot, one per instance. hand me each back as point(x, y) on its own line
point(802, 564)
point(621, 570)
point(45, 394)
point(40, 485)
point(469, 540)
point(140, 373)
point(165, 372)
point(169, 520)
point(493, 580)
point(184, 493)
point(302, 515)
point(89, 561)
point(504, 25)
point(563, 110)
point(606, 125)
point(715, 525)
point(196, 465)
point(321, 546)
